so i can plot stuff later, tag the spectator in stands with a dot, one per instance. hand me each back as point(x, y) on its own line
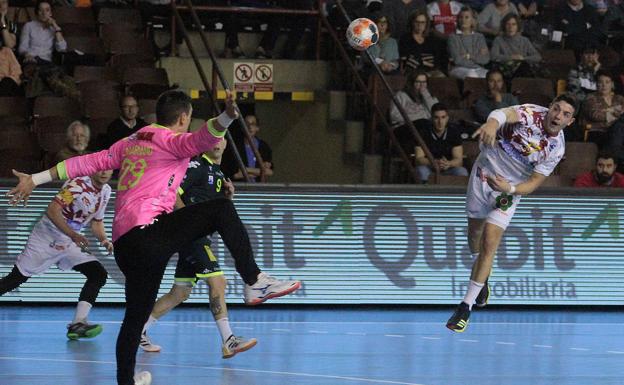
point(443, 15)
point(495, 98)
point(10, 73)
point(78, 135)
point(582, 80)
point(386, 51)
point(8, 29)
point(230, 165)
point(126, 124)
point(445, 144)
point(399, 11)
point(38, 40)
point(42, 36)
point(513, 53)
point(602, 108)
point(604, 175)
point(421, 50)
point(417, 101)
point(467, 48)
point(489, 20)
point(580, 25)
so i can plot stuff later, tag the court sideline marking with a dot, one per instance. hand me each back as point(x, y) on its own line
point(218, 368)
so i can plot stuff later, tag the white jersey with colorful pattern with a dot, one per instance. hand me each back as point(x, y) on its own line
point(81, 203)
point(523, 148)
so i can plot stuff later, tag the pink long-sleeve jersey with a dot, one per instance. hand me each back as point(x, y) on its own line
point(152, 164)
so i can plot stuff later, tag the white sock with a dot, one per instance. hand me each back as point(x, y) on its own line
point(149, 323)
point(224, 328)
point(473, 291)
point(82, 311)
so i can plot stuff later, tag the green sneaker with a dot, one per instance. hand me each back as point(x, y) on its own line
point(459, 320)
point(83, 330)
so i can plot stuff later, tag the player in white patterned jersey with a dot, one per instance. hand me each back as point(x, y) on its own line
point(520, 146)
point(56, 239)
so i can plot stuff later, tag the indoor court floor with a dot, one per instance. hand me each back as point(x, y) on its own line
point(326, 346)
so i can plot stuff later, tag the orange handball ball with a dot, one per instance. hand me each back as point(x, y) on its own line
point(362, 33)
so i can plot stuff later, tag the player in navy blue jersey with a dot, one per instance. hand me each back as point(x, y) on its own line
point(204, 181)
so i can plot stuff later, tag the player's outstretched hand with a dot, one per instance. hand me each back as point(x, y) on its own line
point(230, 104)
point(486, 133)
point(22, 191)
point(498, 183)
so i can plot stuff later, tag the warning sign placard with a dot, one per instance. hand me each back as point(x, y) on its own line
point(263, 74)
point(243, 77)
point(250, 77)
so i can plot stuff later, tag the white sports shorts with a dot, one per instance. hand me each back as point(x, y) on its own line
point(44, 249)
point(484, 203)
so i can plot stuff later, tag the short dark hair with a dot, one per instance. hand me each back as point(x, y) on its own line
point(493, 71)
point(170, 105)
point(39, 2)
point(568, 98)
point(438, 107)
point(126, 96)
point(606, 154)
point(508, 17)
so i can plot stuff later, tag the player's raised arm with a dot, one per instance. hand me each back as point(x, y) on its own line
point(204, 139)
point(497, 118)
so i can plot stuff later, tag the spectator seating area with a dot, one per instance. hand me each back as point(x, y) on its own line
point(108, 56)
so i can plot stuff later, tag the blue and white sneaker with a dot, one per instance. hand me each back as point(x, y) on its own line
point(267, 287)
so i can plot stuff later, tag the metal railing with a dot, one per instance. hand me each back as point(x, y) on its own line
point(209, 90)
point(380, 114)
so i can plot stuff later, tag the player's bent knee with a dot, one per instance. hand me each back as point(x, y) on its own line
point(217, 284)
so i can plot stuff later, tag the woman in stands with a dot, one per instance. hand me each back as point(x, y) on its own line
point(513, 53)
point(467, 48)
point(422, 50)
point(417, 101)
point(602, 108)
point(386, 51)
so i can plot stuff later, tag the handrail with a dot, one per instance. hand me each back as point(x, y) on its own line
point(224, 82)
point(365, 91)
point(252, 10)
point(208, 88)
point(408, 122)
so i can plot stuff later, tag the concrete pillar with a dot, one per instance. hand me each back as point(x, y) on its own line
point(372, 169)
point(354, 137)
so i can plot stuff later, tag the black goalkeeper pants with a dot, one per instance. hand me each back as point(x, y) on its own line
point(143, 253)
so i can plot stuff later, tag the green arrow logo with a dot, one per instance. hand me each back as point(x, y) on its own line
point(342, 213)
point(610, 215)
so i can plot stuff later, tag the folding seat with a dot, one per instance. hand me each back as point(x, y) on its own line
point(56, 106)
point(533, 90)
point(579, 157)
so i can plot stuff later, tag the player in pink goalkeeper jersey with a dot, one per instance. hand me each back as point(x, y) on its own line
point(146, 231)
point(521, 146)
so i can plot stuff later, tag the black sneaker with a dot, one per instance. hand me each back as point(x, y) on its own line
point(484, 295)
point(83, 330)
point(459, 320)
